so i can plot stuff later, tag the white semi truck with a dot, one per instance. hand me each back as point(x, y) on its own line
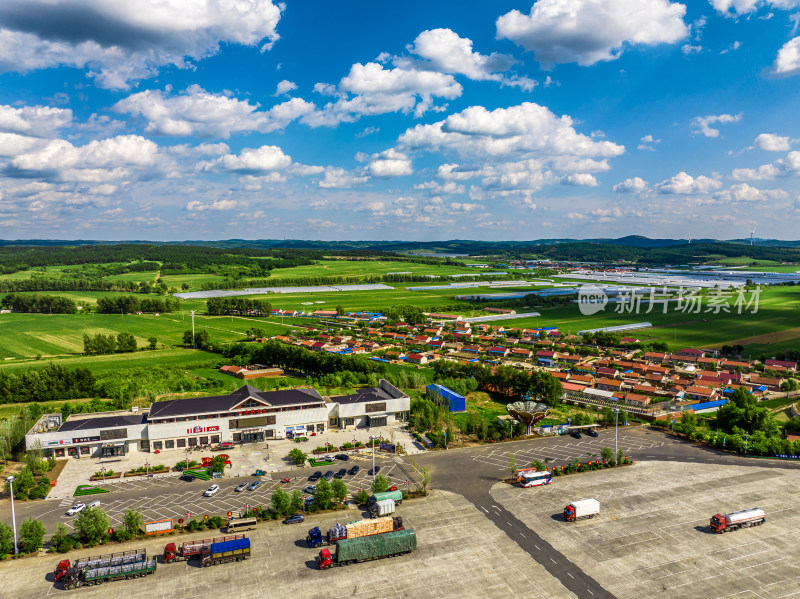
point(583, 508)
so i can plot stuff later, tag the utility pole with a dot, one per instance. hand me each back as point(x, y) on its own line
point(372, 439)
point(616, 431)
point(10, 480)
point(745, 443)
point(194, 344)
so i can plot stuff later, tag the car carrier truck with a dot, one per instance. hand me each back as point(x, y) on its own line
point(361, 549)
point(584, 508)
point(736, 520)
point(192, 549)
point(227, 551)
point(99, 561)
point(362, 528)
point(93, 575)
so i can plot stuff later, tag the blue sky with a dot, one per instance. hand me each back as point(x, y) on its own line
point(173, 120)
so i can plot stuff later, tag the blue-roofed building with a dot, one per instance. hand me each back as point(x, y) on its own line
point(444, 396)
point(707, 406)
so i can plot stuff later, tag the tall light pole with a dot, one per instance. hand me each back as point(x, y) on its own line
point(616, 431)
point(194, 344)
point(372, 440)
point(10, 480)
point(745, 443)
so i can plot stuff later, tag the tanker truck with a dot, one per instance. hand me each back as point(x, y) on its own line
point(736, 520)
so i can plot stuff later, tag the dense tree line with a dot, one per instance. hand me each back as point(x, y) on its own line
point(42, 304)
point(61, 283)
point(535, 386)
point(52, 382)
point(291, 357)
point(127, 304)
point(98, 345)
point(218, 306)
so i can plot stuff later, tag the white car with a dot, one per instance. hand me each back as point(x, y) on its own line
point(76, 509)
point(211, 490)
point(93, 504)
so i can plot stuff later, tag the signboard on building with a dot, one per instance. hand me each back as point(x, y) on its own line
point(201, 429)
point(85, 439)
point(375, 407)
point(114, 433)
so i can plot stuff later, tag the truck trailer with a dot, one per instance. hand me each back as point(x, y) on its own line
point(99, 561)
point(362, 528)
point(226, 551)
point(89, 576)
point(397, 496)
point(350, 551)
point(382, 507)
point(584, 508)
point(192, 549)
point(736, 520)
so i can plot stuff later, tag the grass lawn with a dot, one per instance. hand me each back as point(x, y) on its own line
point(332, 268)
point(188, 358)
point(194, 281)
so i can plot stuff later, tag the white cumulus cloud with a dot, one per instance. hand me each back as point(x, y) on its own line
point(122, 42)
point(685, 184)
point(284, 87)
point(732, 8)
point(250, 160)
point(632, 185)
point(787, 63)
point(36, 121)
point(746, 193)
point(589, 31)
point(772, 142)
point(783, 167)
point(390, 163)
point(199, 112)
point(702, 124)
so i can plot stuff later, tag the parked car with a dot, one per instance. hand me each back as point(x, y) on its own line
point(576, 434)
point(254, 485)
point(93, 504)
point(296, 519)
point(328, 475)
point(211, 490)
point(592, 433)
point(189, 477)
point(315, 477)
point(310, 489)
point(341, 473)
point(307, 502)
point(76, 509)
point(353, 471)
point(342, 457)
point(240, 487)
point(374, 470)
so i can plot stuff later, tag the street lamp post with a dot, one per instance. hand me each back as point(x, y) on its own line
point(147, 468)
point(616, 431)
point(103, 470)
point(372, 439)
point(745, 443)
point(10, 480)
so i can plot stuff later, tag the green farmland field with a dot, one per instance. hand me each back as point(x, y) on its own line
point(330, 268)
point(162, 358)
point(29, 335)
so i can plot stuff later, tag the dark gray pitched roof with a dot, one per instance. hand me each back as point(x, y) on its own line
point(226, 403)
point(101, 422)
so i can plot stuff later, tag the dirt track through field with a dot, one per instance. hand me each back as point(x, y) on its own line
point(766, 338)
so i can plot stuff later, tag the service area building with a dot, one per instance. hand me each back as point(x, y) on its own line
point(248, 415)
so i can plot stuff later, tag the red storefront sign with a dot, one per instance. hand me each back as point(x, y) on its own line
point(201, 429)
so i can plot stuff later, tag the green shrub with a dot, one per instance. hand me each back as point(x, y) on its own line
point(215, 522)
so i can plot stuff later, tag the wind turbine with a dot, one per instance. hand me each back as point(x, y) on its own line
point(752, 241)
point(690, 239)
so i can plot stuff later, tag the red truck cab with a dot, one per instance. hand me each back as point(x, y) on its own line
point(170, 553)
point(324, 559)
point(61, 569)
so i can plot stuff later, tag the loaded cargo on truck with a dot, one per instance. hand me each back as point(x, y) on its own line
point(397, 496)
point(736, 520)
point(382, 507)
point(350, 551)
point(226, 551)
point(192, 549)
point(89, 576)
point(584, 508)
point(109, 559)
point(354, 530)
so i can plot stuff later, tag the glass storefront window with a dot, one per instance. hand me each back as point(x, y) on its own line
point(181, 443)
point(158, 445)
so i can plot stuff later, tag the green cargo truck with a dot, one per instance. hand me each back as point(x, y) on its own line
point(396, 495)
point(349, 551)
point(78, 577)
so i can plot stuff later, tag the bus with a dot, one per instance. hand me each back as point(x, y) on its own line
point(535, 478)
point(237, 524)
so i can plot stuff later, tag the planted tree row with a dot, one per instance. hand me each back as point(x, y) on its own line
point(41, 304)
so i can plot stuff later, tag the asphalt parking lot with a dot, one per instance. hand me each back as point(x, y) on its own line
point(651, 538)
point(171, 497)
point(460, 554)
